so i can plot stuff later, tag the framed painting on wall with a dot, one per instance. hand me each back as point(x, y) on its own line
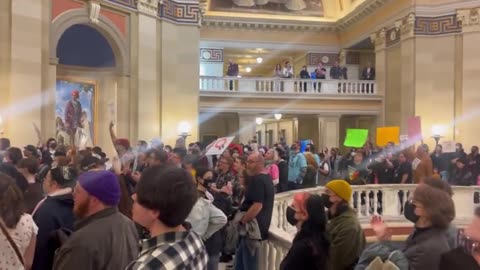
point(75, 111)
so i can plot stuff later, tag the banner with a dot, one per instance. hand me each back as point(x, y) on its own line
point(414, 126)
point(448, 146)
point(219, 146)
point(356, 137)
point(388, 134)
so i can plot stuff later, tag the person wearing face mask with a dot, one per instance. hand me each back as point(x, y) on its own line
point(467, 255)
point(309, 249)
point(206, 219)
point(431, 210)
point(297, 168)
point(347, 239)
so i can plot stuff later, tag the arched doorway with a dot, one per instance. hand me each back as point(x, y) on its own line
point(91, 71)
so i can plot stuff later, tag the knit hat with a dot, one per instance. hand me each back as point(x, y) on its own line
point(102, 185)
point(340, 187)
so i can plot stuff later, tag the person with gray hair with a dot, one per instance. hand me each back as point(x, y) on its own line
point(256, 208)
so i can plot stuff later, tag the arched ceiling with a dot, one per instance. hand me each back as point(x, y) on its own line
point(299, 10)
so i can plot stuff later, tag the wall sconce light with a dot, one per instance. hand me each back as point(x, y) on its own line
point(438, 131)
point(184, 129)
point(259, 120)
point(278, 116)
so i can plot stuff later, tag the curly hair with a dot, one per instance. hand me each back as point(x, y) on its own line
point(11, 201)
point(437, 203)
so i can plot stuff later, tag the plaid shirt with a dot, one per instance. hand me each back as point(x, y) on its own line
point(171, 251)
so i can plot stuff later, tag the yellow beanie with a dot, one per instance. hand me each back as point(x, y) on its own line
point(340, 187)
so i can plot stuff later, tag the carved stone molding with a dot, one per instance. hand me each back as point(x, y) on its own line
point(379, 38)
point(407, 27)
point(470, 19)
point(94, 11)
point(267, 26)
point(149, 7)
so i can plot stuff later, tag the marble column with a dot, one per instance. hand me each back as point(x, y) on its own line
point(25, 98)
point(471, 80)
point(179, 81)
point(5, 51)
point(247, 127)
point(328, 131)
point(408, 67)
point(378, 39)
point(148, 116)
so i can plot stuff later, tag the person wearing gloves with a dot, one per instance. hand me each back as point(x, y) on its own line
point(347, 239)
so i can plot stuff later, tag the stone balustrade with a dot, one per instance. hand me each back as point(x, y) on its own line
point(287, 86)
point(383, 200)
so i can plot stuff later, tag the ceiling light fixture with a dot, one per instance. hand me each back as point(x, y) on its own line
point(278, 116)
point(259, 120)
point(259, 60)
point(248, 69)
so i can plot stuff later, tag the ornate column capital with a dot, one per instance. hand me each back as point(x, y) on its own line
point(379, 39)
point(94, 10)
point(470, 19)
point(407, 27)
point(149, 7)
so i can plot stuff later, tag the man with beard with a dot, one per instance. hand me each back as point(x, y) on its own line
point(347, 239)
point(103, 238)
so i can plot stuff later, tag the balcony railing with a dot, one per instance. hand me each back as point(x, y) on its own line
point(287, 86)
point(383, 200)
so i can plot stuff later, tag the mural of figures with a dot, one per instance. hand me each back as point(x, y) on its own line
point(273, 7)
point(75, 112)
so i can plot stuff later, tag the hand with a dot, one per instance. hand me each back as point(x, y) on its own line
point(380, 228)
point(136, 176)
point(111, 125)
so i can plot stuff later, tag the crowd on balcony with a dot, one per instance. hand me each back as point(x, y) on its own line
point(286, 71)
point(63, 207)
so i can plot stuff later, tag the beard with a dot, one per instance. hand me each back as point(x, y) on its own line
point(80, 210)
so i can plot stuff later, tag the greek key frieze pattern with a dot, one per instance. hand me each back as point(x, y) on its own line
point(211, 55)
point(430, 26)
point(183, 13)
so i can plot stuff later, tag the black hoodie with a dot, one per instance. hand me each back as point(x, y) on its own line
point(56, 212)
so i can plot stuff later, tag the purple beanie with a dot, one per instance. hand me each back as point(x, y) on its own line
point(102, 185)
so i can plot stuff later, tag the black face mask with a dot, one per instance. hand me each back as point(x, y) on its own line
point(291, 216)
point(207, 182)
point(326, 201)
point(409, 212)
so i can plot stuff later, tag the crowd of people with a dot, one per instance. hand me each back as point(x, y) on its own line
point(67, 208)
point(319, 72)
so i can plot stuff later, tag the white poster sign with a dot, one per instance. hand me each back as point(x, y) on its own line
point(448, 146)
point(219, 146)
